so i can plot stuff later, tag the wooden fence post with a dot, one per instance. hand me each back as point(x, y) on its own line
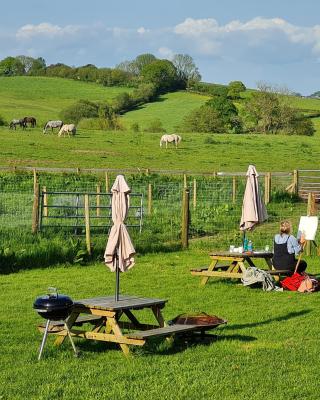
point(147, 171)
point(185, 181)
point(185, 219)
point(107, 183)
point(45, 201)
point(194, 193)
point(295, 182)
point(267, 187)
point(234, 189)
point(35, 209)
point(78, 170)
point(35, 179)
point(149, 199)
point(98, 199)
point(87, 222)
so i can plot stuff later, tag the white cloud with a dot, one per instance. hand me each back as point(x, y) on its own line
point(257, 31)
point(142, 30)
point(46, 29)
point(165, 52)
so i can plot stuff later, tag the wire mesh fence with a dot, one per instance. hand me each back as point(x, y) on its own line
point(215, 205)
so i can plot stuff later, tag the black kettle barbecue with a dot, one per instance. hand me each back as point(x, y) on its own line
point(54, 307)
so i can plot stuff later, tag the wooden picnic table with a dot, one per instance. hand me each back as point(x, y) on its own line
point(233, 265)
point(116, 321)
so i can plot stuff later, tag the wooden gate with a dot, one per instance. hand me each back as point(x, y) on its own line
point(309, 182)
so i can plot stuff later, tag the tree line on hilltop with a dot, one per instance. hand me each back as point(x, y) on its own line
point(266, 110)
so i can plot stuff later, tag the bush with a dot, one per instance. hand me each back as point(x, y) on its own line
point(79, 110)
point(204, 119)
point(235, 88)
point(155, 126)
point(211, 89)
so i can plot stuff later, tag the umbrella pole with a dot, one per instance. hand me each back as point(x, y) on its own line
point(117, 278)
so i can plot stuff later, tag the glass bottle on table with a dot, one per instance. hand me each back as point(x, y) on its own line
point(250, 246)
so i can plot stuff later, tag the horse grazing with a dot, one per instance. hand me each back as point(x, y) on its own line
point(30, 120)
point(176, 139)
point(13, 124)
point(67, 129)
point(52, 124)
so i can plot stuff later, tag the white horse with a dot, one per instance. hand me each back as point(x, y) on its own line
point(69, 129)
point(52, 124)
point(176, 139)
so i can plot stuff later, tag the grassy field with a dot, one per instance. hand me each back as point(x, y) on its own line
point(45, 97)
point(125, 149)
point(171, 108)
point(268, 349)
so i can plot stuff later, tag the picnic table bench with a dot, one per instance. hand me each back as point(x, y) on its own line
point(233, 265)
point(106, 319)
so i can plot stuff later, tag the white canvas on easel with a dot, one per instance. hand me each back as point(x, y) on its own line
point(308, 227)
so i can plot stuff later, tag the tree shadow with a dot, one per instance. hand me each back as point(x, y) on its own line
point(286, 317)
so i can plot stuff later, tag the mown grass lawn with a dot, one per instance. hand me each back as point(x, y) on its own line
point(268, 349)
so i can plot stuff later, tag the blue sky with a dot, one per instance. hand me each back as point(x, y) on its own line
point(273, 41)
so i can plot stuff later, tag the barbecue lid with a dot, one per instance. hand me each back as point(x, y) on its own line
point(53, 300)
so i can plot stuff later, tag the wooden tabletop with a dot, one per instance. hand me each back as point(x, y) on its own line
point(255, 254)
point(125, 302)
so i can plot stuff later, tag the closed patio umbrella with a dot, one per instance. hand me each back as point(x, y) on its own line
point(119, 251)
point(253, 209)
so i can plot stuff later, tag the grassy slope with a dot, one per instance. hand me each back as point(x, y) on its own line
point(170, 109)
point(44, 98)
point(271, 340)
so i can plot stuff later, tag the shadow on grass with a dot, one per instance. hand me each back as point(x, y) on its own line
point(161, 346)
point(281, 318)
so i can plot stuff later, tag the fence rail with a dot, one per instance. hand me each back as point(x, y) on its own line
point(215, 203)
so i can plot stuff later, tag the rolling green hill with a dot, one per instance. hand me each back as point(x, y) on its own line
point(45, 97)
point(171, 108)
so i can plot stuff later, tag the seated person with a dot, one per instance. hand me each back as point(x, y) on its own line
point(286, 247)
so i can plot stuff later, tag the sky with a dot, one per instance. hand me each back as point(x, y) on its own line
point(274, 41)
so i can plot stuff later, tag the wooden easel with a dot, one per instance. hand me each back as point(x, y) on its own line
point(311, 211)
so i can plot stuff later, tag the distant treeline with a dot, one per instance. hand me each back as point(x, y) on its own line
point(164, 74)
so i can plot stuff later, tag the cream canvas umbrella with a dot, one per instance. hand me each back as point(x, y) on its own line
point(253, 209)
point(119, 251)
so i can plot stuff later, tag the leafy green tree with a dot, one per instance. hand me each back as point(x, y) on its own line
point(204, 119)
point(187, 70)
point(38, 67)
point(225, 108)
point(80, 109)
point(11, 66)
point(162, 73)
point(87, 73)
point(268, 111)
point(122, 103)
point(26, 61)
point(144, 93)
point(142, 60)
point(235, 88)
point(60, 70)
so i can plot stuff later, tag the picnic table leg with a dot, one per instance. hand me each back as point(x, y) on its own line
point(70, 321)
point(269, 263)
point(118, 334)
point(204, 280)
point(132, 318)
point(159, 317)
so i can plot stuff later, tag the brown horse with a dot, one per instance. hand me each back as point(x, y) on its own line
point(30, 120)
